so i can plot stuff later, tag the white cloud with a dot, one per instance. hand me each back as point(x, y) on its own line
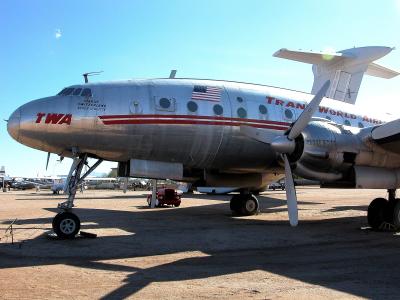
point(58, 34)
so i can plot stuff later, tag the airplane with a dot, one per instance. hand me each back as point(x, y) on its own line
point(225, 133)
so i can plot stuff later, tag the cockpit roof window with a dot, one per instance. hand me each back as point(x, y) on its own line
point(77, 91)
point(86, 93)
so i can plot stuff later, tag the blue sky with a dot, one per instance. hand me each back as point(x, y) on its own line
point(47, 45)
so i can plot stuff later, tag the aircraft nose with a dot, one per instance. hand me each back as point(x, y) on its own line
point(13, 124)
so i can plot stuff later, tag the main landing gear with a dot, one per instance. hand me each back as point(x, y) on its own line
point(66, 224)
point(385, 214)
point(244, 204)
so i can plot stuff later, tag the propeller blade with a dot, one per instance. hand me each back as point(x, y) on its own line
point(48, 158)
point(307, 114)
point(258, 134)
point(290, 193)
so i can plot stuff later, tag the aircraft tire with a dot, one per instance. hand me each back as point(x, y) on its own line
point(235, 204)
point(396, 214)
point(376, 212)
point(249, 205)
point(66, 225)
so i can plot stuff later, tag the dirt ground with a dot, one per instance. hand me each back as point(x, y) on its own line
point(198, 250)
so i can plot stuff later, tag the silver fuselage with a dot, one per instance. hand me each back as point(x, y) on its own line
point(125, 120)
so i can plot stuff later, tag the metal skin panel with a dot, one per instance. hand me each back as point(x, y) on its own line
point(124, 120)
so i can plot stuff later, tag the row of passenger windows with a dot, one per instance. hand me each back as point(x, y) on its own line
point(242, 113)
point(219, 110)
point(347, 122)
point(76, 92)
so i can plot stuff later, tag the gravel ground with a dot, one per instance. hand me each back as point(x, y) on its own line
point(198, 250)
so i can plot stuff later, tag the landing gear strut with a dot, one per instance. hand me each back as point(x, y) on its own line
point(66, 224)
point(385, 214)
point(244, 204)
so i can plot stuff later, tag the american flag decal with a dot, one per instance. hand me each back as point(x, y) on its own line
point(208, 93)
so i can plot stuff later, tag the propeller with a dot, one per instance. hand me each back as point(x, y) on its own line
point(286, 144)
point(48, 158)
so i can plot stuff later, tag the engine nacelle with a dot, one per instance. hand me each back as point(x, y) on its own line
point(325, 151)
point(330, 153)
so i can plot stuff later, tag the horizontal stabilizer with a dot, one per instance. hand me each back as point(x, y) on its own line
point(379, 71)
point(309, 57)
point(345, 69)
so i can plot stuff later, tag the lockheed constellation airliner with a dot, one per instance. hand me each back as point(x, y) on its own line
point(224, 133)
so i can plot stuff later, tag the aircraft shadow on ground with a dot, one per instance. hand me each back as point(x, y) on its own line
point(332, 253)
point(78, 198)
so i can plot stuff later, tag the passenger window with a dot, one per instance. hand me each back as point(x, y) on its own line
point(218, 109)
point(192, 106)
point(241, 112)
point(288, 114)
point(360, 125)
point(328, 118)
point(86, 93)
point(347, 123)
point(168, 104)
point(165, 103)
point(77, 92)
point(263, 110)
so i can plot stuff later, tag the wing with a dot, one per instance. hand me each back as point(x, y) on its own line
point(388, 136)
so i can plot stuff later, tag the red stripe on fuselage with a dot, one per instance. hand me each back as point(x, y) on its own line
point(191, 122)
point(117, 118)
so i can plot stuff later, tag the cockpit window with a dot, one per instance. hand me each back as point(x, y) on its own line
point(67, 91)
point(77, 92)
point(62, 91)
point(86, 93)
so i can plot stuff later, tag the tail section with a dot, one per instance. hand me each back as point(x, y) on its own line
point(345, 69)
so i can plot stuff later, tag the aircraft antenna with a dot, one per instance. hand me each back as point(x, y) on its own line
point(86, 75)
point(172, 74)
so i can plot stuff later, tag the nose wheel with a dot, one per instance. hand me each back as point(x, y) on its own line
point(66, 225)
point(385, 214)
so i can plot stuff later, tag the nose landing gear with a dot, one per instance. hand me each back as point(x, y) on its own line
point(66, 224)
point(385, 214)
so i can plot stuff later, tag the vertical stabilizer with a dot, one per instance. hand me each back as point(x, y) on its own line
point(345, 69)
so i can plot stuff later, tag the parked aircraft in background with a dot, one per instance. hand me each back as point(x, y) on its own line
point(224, 133)
point(5, 180)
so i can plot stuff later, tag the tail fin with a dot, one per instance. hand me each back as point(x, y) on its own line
point(345, 69)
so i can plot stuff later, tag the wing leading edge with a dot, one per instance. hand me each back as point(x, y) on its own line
point(388, 136)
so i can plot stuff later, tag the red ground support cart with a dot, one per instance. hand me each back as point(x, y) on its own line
point(166, 196)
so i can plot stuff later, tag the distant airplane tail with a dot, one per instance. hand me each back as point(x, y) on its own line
point(345, 69)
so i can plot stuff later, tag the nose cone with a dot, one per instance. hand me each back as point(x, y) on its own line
point(13, 124)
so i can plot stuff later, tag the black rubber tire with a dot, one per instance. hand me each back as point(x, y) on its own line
point(376, 212)
point(235, 204)
point(66, 225)
point(249, 205)
point(53, 223)
point(396, 214)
